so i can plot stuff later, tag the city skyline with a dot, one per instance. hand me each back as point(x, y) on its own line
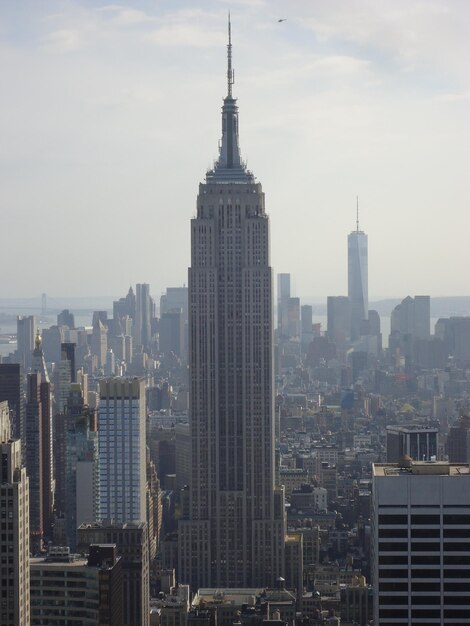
point(220, 459)
point(99, 105)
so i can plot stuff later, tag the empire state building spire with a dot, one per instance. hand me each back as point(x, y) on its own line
point(230, 72)
point(229, 166)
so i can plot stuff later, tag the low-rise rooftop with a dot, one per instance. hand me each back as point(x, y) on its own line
point(421, 468)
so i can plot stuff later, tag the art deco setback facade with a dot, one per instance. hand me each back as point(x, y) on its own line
point(234, 536)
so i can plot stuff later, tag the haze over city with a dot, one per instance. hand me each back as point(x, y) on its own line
point(110, 113)
point(234, 393)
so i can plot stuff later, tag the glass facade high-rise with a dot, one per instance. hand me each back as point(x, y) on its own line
point(234, 534)
point(358, 290)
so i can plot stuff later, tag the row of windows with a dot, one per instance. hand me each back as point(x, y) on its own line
point(415, 586)
point(434, 599)
point(426, 546)
point(424, 573)
point(423, 613)
point(403, 560)
point(451, 519)
point(399, 533)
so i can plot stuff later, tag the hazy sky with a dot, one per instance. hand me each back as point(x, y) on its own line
point(110, 116)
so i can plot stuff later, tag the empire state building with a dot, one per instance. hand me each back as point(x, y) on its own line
point(233, 534)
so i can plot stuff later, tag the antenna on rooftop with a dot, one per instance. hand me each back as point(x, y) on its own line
point(357, 214)
point(230, 72)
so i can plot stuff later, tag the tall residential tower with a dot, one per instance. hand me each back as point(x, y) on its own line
point(122, 459)
point(234, 534)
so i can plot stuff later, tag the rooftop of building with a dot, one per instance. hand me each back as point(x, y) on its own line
point(421, 468)
point(111, 525)
point(178, 597)
point(293, 537)
point(73, 562)
point(232, 595)
point(237, 596)
point(412, 428)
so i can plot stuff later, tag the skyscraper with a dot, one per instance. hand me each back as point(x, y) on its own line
point(143, 316)
point(422, 317)
point(34, 459)
point(63, 376)
point(418, 442)
point(412, 317)
point(357, 279)
point(125, 307)
point(12, 391)
point(99, 341)
point(339, 319)
point(79, 475)
point(14, 538)
point(171, 332)
point(65, 318)
point(420, 543)
point(410, 323)
point(38, 361)
point(122, 450)
point(132, 546)
point(38, 366)
point(25, 333)
point(283, 295)
point(306, 324)
point(234, 534)
point(458, 441)
point(68, 589)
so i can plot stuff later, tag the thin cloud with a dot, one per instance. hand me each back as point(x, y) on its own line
point(123, 16)
point(245, 3)
point(454, 97)
point(341, 64)
point(325, 71)
point(185, 35)
point(413, 33)
point(131, 17)
point(64, 40)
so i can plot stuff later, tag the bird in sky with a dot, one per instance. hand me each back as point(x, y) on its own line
point(283, 19)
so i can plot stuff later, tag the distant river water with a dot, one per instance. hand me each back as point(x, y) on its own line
point(42, 322)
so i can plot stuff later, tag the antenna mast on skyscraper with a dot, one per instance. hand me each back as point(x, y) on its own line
point(230, 72)
point(357, 214)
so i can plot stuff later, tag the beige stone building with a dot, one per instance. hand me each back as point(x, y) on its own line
point(14, 529)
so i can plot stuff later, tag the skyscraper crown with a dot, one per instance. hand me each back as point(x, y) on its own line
point(229, 167)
